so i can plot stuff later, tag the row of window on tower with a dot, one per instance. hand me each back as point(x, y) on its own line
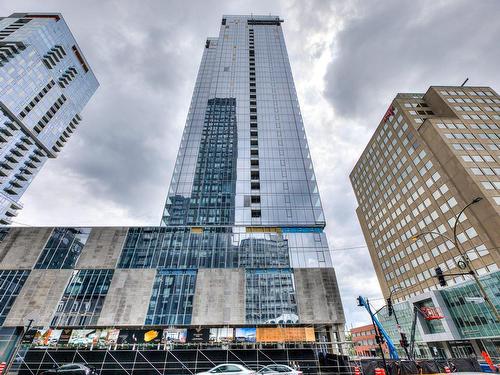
point(254, 132)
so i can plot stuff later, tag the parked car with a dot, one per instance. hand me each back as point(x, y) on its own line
point(278, 370)
point(71, 369)
point(228, 368)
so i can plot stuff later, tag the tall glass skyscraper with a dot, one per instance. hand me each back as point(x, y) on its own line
point(244, 167)
point(45, 82)
point(244, 158)
point(240, 256)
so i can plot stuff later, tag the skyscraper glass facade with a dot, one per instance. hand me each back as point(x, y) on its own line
point(241, 242)
point(45, 82)
point(172, 297)
point(245, 89)
point(83, 298)
point(243, 192)
point(63, 248)
point(270, 296)
point(11, 283)
point(223, 247)
point(212, 198)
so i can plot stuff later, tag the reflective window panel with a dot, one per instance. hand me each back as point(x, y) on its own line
point(172, 297)
point(83, 298)
point(11, 283)
point(270, 296)
point(63, 248)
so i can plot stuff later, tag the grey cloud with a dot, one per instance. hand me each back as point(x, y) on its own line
point(397, 46)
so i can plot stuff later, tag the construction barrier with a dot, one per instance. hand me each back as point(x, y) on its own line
point(404, 367)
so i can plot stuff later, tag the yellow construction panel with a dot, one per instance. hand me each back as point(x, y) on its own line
point(280, 334)
point(309, 331)
point(263, 230)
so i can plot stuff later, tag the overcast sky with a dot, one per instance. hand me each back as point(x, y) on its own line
point(349, 59)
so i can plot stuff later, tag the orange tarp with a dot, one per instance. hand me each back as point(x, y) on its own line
point(295, 334)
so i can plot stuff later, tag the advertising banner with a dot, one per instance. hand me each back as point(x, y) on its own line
point(247, 334)
point(46, 337)
point(54, 336)
point(29, 336)
point(139, 336)
point(198, 335)
point(84, 337)
point(108, 337)
point(221, 335)
point(174, 335)
point(65, 336)
point(279, 334)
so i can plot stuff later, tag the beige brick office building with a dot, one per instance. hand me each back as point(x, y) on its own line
point(431, 155)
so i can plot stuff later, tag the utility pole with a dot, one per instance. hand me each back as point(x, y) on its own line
point(379, 339)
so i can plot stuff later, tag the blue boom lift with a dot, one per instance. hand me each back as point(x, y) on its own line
point(392, 349)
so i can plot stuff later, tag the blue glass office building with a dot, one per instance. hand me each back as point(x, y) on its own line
point(240, 246)
point(45, 82)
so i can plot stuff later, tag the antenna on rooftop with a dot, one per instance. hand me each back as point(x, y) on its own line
point(463, 84)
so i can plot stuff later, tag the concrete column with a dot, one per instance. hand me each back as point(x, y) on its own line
point(22, 247)
point(103, 248)
point(128, 297)
point(219, 297)
point(39, 297)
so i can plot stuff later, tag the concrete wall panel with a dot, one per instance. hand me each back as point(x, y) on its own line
point(103, 248)
point(219, 297)
point(22, 247)
point(128, 297)
point(318, 296)
point(39, 297)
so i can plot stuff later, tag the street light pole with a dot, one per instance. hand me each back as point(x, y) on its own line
point(468, 263)
point(465, 262)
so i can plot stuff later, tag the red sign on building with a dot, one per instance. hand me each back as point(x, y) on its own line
point(388, 113)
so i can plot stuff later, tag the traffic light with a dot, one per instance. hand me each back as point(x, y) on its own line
point(404, 340)
point(379, 339)
point(389, 306)
point(440, 276)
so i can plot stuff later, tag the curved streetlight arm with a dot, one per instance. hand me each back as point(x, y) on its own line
point(393, 290)
point(455, 226)
point(417, 236)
